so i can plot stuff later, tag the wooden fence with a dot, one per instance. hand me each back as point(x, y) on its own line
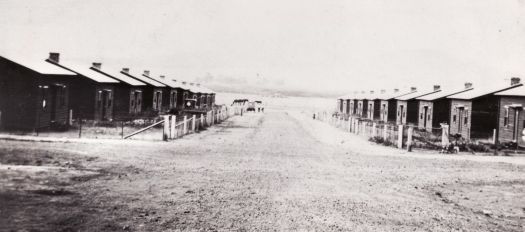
point(400, 136)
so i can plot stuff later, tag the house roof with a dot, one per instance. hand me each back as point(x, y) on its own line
point(177, 84)
point(85, 71)
point(144, 79)
point(166, 81)
point(120, 76)
point(415, 94)
point(442, 94)
point(518, 91)
point(483, 91)
point(38, 65)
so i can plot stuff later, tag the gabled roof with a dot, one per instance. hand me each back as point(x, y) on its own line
point(85, 71)
point(443, 94)
point(483, 91)
point(416, 94)
point(144, 79)
point(518, 91)
point(38, 65)
point(120, 76)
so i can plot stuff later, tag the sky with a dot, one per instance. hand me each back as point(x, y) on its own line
point(319, 46)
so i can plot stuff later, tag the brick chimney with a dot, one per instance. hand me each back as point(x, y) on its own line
point(146, 72)
point(437, 87)
point(97, 65)
point(396, 90)
point(383, 91)
point(54, 56)
point(125, 70)
point(183, 82)
point(515, 80)
point(413, 89)
point(371, 91)
point(468, 85)
point(198, 84)
point(162, 77)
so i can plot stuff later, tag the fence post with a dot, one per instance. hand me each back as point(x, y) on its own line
point(166, 131)
point(184, 125)
point(400, 136)
point(444, 135)
point(173, 123)
point(385, 132)
point(409, 139)
point(202, 120)
point(357, 127)
point(374, 125)
point(494, 136)
point(70, 121)
point(80, 127)
point(193, 123)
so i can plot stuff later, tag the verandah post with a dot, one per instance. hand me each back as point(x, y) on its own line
point(202, 120)
point(374, 125)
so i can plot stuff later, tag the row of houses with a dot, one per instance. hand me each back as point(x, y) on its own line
point(473, 112)
point(44, 93)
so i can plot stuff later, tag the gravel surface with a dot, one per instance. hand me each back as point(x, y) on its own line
point(273, 171)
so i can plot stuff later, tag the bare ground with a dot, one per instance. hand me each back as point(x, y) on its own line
point(276, 171)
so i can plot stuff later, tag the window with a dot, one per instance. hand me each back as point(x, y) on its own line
point(466, 117)
point(421, 116)
point(454, 118)
point(506, 118)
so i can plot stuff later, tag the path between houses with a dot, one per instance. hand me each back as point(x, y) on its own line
point(259, 172)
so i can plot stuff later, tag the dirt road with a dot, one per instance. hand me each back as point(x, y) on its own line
point(256, 172)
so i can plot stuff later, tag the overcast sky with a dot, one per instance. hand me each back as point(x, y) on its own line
point(332, 46)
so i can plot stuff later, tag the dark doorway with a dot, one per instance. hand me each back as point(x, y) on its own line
point(425, 116)
point(104, 105)
point(516, 133)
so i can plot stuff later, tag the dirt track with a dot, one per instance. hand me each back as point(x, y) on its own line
point(256, 172)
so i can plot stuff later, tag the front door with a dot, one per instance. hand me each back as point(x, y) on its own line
point(104, 105)
point(460, 120)
point(53, 102)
